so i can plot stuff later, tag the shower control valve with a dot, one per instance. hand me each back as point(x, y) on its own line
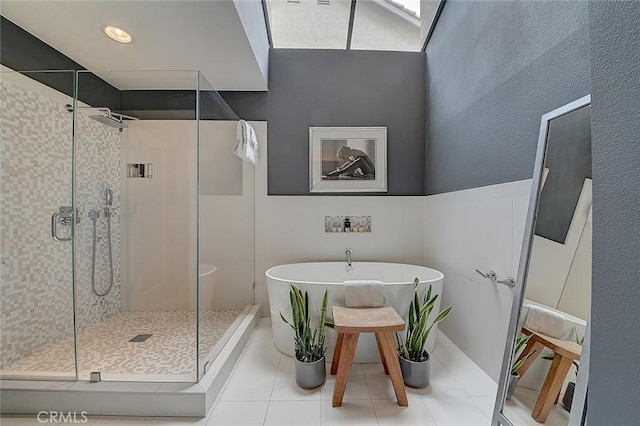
point(62, 217)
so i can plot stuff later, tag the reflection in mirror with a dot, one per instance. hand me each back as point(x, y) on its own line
point(551, 309)
point(561, 226)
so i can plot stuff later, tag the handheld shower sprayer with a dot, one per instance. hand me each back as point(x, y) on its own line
point(95, 214)
point(108, 193)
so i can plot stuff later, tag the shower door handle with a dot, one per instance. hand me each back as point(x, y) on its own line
point(63, 217)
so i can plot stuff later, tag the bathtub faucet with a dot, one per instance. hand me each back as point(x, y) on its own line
point(347, 252)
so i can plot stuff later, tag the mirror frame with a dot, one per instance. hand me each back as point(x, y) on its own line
point(499, 418)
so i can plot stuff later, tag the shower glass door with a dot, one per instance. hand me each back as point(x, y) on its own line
point(37, 224)
point(119, 260)
point(136, 249)
point(225, 228)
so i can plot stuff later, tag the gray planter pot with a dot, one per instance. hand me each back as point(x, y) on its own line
point(513, 382)
point(415, 374)
point(567, 399)
point(310, 375)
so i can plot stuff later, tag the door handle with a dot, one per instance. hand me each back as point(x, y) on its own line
point(63, 217)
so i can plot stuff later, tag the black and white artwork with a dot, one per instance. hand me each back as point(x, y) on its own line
point(347, 159)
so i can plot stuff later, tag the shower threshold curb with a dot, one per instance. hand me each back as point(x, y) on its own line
point(131, 398)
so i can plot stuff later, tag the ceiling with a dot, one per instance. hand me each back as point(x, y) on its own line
point(205, 35)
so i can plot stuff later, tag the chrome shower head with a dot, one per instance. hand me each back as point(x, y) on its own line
point(109, 120)
point(106, 116)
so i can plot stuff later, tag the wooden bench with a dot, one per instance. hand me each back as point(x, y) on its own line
point(349, 323)
point(565, 352)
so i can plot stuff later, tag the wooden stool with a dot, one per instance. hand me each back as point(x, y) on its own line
point(565, 353)
point(349, 323)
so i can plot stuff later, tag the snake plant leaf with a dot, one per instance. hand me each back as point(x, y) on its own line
point(285, 320)
point(518, 364)
point(411, 321)
point(520, 343)
point(442, 315)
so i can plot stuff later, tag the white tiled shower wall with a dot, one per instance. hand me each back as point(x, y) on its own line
point(159, 255)
point(97, 167)
point(36, 288)
point(159, 259)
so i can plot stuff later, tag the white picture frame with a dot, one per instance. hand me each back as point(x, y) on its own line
point(347, 159)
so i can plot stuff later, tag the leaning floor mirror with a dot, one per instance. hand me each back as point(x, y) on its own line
point(545, 366)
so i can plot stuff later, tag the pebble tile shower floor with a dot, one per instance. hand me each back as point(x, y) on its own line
point(105, 346)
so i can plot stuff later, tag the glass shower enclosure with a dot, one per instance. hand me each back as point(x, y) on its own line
point(103, 276)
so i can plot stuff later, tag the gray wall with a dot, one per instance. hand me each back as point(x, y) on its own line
point(614, 398)
point(251, 15)
point(493, 69)
point(340, 88)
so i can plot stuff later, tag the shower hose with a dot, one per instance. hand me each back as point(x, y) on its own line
point(93, 263)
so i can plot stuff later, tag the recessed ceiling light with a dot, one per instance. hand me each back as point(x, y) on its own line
point(117, 34)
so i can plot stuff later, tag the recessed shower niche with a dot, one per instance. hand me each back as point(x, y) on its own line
point(139, 170)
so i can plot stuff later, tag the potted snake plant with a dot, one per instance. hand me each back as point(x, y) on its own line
point(309, 341)
point(414, 359)
point(514, 377)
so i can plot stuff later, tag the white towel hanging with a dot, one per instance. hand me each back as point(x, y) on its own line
point(246, 142)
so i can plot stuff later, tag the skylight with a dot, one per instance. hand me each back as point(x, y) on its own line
point(309, 24)
point(385, 25)
point(347, 24)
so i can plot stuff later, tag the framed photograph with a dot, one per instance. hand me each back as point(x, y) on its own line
point(348, 159)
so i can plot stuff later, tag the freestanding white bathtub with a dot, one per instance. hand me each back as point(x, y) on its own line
point(320, 276)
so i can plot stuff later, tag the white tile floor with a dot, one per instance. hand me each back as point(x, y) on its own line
point(262, 391)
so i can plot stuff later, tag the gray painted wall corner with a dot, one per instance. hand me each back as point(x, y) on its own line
point(615, 75)
point(490, 84)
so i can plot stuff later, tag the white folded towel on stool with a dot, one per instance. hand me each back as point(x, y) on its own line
point(363, 294)
point(544, 321)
